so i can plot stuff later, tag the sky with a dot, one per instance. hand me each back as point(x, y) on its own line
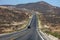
point(14, 2)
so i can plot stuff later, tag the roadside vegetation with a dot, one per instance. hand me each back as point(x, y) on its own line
point(49, 28)
point(48, 31)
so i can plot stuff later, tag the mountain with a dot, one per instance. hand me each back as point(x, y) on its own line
point(42, 7)
point(39, 6)
point(48, 11)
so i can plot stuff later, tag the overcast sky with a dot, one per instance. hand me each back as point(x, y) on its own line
point(14, 2)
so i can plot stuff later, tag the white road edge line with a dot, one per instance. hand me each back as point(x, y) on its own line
point(40, 35)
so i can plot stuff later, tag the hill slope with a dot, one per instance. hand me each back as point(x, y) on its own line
point(48, 11)
point(8, 15)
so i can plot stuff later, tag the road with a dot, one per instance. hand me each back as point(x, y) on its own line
point(27, 34)
point(32, 33)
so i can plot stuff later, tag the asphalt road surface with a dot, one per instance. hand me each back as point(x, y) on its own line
point(31, 33)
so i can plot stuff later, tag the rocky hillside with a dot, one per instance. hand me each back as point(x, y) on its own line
point(8, 15)
point(50, 13)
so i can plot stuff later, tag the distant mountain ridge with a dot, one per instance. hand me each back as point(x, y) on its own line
point(40, 6)
point(37, 6)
